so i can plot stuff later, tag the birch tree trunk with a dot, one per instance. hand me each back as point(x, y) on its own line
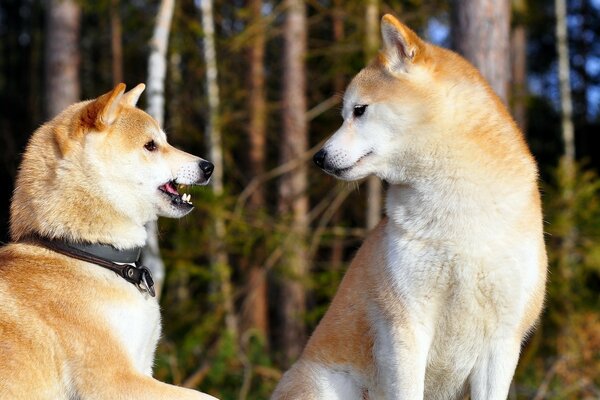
point(481, 33)
point(255, 305)
point(293, 200)
point(62, 55)
point(374, 185)
point(564, 79)
point(213, 143)
point(567, 248)
point(155, 92)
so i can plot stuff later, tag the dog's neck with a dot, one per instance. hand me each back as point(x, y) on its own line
point(80, 218)
point(447, 210)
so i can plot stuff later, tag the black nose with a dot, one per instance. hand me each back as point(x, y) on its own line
point(207, 167)
point(319, 158)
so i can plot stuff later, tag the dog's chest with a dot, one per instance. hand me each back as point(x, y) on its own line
point(136, 325)
point(436, 278)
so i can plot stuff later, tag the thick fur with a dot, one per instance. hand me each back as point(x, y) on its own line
point(70, 329)
point(442, 293)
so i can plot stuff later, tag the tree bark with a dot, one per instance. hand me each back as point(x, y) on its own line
point(116, 42)
point(213, 143)
point(293, 200)
point(62, 55)
point(568, 243)
point(519, 75)
point(374, 186)
point(255, 304)
point(155, 92)
point(518, 60)
point(337, 247)
point(481, 33)
point(339, 33)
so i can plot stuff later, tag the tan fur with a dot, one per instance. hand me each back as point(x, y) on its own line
point(71, 329)
point(439, 297)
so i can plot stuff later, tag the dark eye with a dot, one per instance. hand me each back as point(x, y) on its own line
point(359, 110)
point(150, 146)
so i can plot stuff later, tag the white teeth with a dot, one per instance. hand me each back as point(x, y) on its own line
point(186, 197)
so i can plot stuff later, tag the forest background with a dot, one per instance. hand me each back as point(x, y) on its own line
point(255, 86)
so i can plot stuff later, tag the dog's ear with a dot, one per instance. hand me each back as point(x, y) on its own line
point(131, 98)
point(401, 46)
point(96, 114)
point(102, 112)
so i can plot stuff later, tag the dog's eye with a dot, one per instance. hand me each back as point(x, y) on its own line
point(359, 110)
point(150, 146)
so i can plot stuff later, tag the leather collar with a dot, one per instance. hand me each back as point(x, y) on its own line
point(124, 263)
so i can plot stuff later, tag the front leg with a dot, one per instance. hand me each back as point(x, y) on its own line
point(400, 351)
point(494, 369)
point(129, 385)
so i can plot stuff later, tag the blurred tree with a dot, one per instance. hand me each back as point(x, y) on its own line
point(374, 186)
point(518, 61)
point(155, 92)
point(254, 313)
point(480, 32)
point(566, 105)
point(293, 198)
point(116, 42)
point(339, 82)
point(566, 261)
point(62, 55)
point(213, 143)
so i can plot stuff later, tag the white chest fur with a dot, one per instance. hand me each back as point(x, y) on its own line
point(136, 324)
point(464, 287)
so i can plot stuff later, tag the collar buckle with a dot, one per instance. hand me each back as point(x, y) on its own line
point(146, 282)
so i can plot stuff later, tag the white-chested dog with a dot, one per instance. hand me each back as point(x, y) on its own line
point(441, 294)
point(70, 327)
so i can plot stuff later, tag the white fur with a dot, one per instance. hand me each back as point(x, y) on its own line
point(136, 325)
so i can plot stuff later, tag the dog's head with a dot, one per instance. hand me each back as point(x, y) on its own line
point(127, 152)
point(398, 107)
point(99, 167)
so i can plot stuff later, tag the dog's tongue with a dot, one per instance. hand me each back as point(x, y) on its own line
point(170, 188)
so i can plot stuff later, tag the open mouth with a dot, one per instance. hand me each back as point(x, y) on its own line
point(171, 190)
point(340, 171)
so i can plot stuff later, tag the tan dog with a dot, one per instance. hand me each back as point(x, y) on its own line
point(71, 329)
point(441, 294)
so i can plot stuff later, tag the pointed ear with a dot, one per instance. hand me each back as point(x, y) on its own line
point(102, 112)
point(131, 98)
point(401, 45)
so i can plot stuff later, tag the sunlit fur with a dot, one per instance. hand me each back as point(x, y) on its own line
point(440, 296)
point(70, 329)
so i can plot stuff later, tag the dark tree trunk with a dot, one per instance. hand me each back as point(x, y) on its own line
point(518, 61)
point(337, 247)
point(62, 55)
point(255, 306)
point(293, 200)
point(116, 42)
point(374, 186)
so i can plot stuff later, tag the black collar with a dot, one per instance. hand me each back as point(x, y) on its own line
point(124, 263)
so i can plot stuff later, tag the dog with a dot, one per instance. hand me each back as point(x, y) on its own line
point(78, 316)
point(440, 296)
